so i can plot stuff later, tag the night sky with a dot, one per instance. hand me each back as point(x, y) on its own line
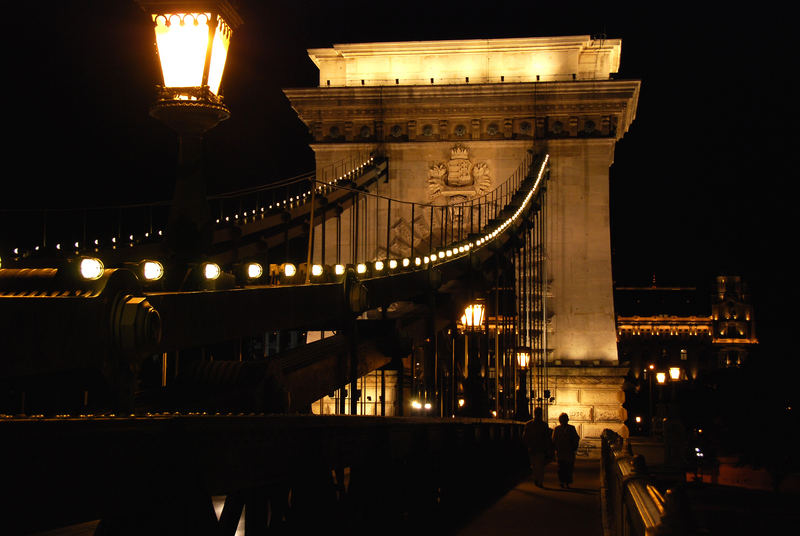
point(704, 183)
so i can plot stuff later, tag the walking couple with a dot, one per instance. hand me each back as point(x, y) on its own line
point(544, 445)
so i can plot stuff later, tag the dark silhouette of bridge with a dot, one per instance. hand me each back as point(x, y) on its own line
point(144, 455)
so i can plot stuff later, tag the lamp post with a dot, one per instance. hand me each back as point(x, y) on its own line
point(523, 360)
point(472, 322)
point(192, 39)
point(650, 371)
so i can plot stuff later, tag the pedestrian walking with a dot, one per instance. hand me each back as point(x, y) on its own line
point(537, 439)
point(565, 440)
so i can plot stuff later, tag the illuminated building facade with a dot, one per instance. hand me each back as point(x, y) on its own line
point(678, 327)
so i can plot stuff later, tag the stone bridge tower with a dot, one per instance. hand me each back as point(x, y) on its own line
point(430, 106)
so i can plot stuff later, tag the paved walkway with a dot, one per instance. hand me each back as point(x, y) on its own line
point(548, 511)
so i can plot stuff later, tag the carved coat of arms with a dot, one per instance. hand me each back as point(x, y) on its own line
point(459, 179)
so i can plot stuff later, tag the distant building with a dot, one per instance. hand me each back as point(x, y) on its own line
point(681, 327)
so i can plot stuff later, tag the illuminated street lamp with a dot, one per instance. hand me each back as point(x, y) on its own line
point(192, 39)
point(661, 377)
point(675, 373)
point(472, 322)
point(523, 357)
point(523, 361)
point(472, 319)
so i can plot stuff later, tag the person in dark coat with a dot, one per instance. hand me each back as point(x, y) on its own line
point(539, 444)
point(565, 440)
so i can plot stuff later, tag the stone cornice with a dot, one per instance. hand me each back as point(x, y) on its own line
point(616, 98)
point(524, 59)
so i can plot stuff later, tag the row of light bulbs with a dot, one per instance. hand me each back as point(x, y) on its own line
point(152, 270)
point(281, 204)
point(299, 199)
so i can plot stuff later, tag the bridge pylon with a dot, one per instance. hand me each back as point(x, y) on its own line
point(454, 119)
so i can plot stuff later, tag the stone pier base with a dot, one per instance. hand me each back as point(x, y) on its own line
point(592, 396)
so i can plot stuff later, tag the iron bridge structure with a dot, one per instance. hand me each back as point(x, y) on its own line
point(257, 376)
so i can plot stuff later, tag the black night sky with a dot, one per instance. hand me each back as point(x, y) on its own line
point(704, 183)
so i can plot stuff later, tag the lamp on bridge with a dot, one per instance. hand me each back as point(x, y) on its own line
point(192, 39)
point(674, 373)
point(523, 361)
point(471, 323)
point(472, 319)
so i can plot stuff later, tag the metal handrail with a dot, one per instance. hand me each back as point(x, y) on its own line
point(632, 504)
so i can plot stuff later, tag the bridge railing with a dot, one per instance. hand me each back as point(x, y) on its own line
point(632, 503)
point(82, 229)
point(298, 474)
point(404, 230)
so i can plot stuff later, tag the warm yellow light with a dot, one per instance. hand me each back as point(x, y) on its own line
point(316, 270)
point(461, 402)
point(417, 261)
point(211, 270)
point(428, 405)
point(219, 52)
point(183, 41)
point(361, 268)
point(254, 270)
point(523, 357)
point(378, 266)
point(406, 262)
point(675, 373)
point(638, 419)
point(661, 377)
point(152, 270)
point(289, 269)
point(91, 268)
point(338, 269)
point(392, 264)
point(472, 319)
point(416, 405)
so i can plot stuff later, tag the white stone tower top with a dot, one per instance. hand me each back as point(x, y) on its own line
point(527, 59)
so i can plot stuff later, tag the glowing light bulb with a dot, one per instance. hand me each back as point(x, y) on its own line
point(152, 270)
point(91, 268)
point(254, 270)
point(211, 271)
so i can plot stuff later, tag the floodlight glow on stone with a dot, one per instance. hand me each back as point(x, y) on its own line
point(152, 270)
point(254, 270)
point(211, 271)
point(91, 268)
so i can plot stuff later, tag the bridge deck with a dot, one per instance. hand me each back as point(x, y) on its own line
point(527, 509)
